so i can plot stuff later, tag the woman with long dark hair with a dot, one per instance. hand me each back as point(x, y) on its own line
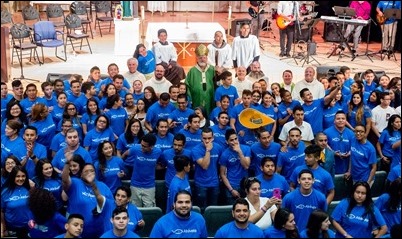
point(146, 60)
point(284, 225)
point(357, 216)
point(389, 144)
point(318, 226)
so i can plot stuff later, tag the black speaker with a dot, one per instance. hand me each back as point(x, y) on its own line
point(302, 35)
point(235, 26)
point(327, 71)
point(330, 33)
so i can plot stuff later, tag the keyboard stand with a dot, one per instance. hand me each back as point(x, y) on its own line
point(342, 44)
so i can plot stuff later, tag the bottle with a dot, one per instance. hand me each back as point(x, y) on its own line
point(118, 12)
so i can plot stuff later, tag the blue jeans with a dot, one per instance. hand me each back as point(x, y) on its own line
point(205, 196)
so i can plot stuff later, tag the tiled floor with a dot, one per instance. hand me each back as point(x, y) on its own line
point(103, 52)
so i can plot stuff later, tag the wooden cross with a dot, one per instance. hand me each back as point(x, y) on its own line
point(186, 15)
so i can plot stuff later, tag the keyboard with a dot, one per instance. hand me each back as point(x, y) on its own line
point(334, 19)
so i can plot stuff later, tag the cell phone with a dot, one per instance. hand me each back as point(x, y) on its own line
point(277, 193)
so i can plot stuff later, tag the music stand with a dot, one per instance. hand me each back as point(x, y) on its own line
point(396, 15)
point(310, 25)
point(367, 43)
point(345, 12)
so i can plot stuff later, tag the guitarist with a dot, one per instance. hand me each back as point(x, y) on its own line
point(389, 27)
point(363, 9)
point(257, 16)
point(290, 10)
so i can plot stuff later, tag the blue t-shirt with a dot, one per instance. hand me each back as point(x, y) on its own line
point(268, 185)
point(314, 114)
point(362, 156)
point(181, 118)
point(322, 179)
point(110, 234)
point(166, 159)
point(46, 130)
point(230, 230)
point(352, 116)
point(156, 112)
point(27, 104)
point(192, 139)
point(4, 102)
point(144, 165)
point(175, 186)
point(258, 152)
point(331, 234)
point(272, 232)
point(229, 91)
point(340, 141)
point(387, 141)
point(14, 205)
point(165, 142)
point(391, 217)
point(59, 158)
point(171, 226)
point(146, 64)
point(289, 160)
point(234, 169)
point(110, 174)
point(94, 138)
point(50, 228)
point(301, 205)
point(356, 223)
point(58, 142)
point(219, 135)
point(117, 118)
point(206, 177)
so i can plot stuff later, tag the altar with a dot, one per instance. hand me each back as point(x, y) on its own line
point(126, 36)
point(186, 40)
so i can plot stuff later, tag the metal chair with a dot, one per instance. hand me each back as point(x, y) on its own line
point(6, 17)
point(46, 35)
point(54, 11)
point(21, 39)
point(73, 24)
point(30, 16)
point(80, 9)
point(103, 13)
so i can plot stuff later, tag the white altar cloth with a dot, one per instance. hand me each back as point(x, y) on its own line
point(198, 32)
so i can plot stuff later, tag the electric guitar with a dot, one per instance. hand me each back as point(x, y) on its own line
point(283, 22)
point(255, 10)
point(380, 19)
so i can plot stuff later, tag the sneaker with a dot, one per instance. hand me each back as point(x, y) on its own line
point(281, 54)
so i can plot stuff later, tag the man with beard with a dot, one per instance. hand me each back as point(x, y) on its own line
point(240, 227)
point(158, 81)
point(200, 81)
point(190, 224)
point(256, 73)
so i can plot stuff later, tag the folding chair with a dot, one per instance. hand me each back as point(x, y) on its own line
point(73, 23)
point(80, 9)
point(55, 12)
point(103, 13)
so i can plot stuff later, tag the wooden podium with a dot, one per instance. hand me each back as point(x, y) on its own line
point(5, 54)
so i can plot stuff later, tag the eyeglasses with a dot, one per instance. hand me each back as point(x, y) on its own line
point(10, 163)
point(71, 109)
point(359, 132)
point(102, 121)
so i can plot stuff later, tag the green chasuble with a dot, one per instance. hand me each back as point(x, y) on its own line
point(199, 96)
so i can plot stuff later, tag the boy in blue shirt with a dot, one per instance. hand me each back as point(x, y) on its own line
point(227, 89)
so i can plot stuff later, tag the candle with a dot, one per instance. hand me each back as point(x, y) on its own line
point(230, 12)
point(142, 12)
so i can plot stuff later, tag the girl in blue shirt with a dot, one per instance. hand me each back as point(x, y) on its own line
point(47, 178)
point(117, 114)
point(43, 122)
point(14, 112)
point(268, 108)
point(358, 113)
point(146, 60)
point(387, 145)
point(357, 216)
point(58, 109)
point(109, 168)
point(88, 118)
point(70, 112)
point(10, 162)
point(14, 204)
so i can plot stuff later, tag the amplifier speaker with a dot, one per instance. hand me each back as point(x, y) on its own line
point(235, 26)
point(303, 34)
point(330, 33)
point(326, 71)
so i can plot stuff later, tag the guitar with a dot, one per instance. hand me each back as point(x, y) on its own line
point(283, 22)
point(255, 10)
point(380, 19)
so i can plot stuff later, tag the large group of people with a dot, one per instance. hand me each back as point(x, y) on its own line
point(68, 152)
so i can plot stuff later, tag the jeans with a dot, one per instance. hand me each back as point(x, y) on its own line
point(206, 196)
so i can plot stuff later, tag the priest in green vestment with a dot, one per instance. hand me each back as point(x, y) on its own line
point(200, 81)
